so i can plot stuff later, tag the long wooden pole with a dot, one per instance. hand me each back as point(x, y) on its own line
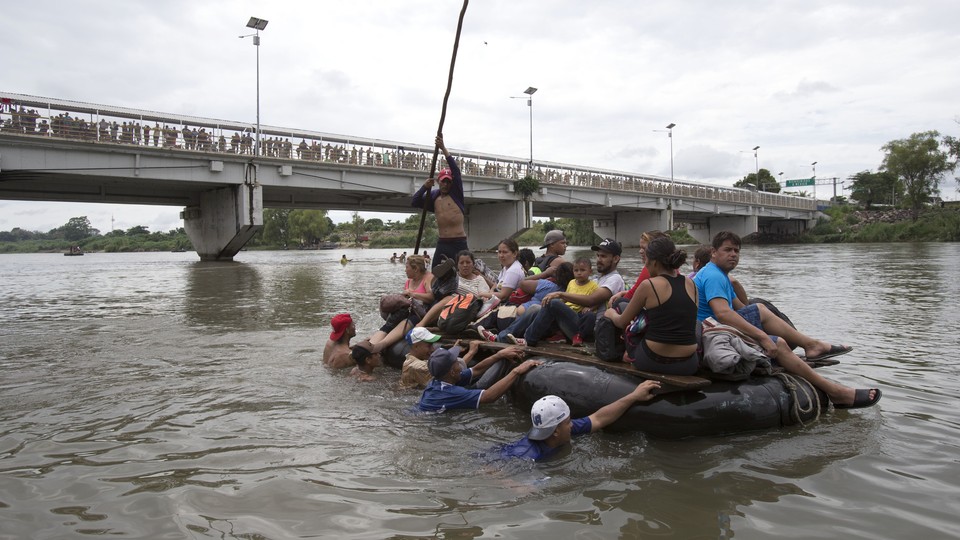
point(443, 116)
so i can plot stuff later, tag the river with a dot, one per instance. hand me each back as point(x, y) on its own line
point(149, 395)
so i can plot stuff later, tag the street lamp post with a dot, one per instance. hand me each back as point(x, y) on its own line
point(756, 162)
point(814, 165)
point(670, 126)
point(529, 92)
point(258, 25)
point(669, 132)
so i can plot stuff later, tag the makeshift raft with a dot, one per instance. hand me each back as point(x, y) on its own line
point(686, 406)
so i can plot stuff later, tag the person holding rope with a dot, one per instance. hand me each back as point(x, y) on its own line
point(447, 203)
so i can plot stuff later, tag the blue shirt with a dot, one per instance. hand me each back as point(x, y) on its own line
point(544, 287)
point(712, 282)
point(439, 396)
point(538, 450)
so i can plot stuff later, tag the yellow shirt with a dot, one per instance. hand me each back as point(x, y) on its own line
point(585, 289)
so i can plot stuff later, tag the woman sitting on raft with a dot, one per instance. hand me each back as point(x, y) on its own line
point(469, 280)
point(417, 286)
point(669, 344)
point(511, 275)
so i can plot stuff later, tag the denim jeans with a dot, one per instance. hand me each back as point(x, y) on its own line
point(569, 321)
point(520, 324)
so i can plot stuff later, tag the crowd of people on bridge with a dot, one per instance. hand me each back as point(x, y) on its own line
point(18, 118)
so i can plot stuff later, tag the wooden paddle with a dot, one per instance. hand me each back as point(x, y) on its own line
point(443, 116)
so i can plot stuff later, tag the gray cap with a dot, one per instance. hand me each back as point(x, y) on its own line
point(553, 236)
point(441, 360)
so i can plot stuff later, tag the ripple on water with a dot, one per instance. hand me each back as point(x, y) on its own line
point(173, 398)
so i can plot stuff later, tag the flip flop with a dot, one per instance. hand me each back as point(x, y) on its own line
point(835, 350)
point(861, 399)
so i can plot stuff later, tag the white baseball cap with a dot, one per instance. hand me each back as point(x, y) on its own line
point(419, 334)
point(546, 414)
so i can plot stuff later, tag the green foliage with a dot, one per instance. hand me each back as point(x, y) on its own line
point(413, 222)
point(579, 232)
point(356, 227)
point(762, 181)
point(276, 227)
point(406, 239)
point(18, 235)
point(919, 164)
point(682, 237)
point(308, 227)
point(526, 186)
point(932, 225)
point(374, 224)
point(77, 228)
point(871, 188)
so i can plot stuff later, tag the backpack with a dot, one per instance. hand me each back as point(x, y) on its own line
point(444, 279)
point(458, 313)
point(608, 340)
point(392, 303)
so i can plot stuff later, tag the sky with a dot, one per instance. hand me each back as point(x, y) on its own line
point(825, 81)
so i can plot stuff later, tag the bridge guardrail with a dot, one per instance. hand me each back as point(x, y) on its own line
point(103, 124)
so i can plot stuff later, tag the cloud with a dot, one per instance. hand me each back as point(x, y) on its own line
point(827, 81)
point(806, 89)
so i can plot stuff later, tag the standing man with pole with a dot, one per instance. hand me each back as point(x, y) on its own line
point(433, 162)
point(448, 205)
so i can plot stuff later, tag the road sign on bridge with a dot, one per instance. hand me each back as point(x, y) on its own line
point(801, 182)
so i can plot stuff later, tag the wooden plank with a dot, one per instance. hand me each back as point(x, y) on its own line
point(584, 356)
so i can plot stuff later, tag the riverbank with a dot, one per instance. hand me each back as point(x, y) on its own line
point(846, 224)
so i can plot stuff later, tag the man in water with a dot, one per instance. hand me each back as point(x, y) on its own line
point(553, 428)
point(336, 353)
point(448, 205)
point(367, 360)
point(415, 372)
point(448, 388)
point(776, 338)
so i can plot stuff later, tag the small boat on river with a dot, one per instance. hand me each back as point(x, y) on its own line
point(74, 252)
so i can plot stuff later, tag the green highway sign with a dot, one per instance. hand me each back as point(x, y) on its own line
point(800, 182)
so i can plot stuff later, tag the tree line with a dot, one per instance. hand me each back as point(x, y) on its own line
point(909, 176)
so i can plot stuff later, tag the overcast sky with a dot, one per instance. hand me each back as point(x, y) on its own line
point(825, 81)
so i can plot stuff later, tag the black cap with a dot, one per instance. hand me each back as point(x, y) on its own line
point(609, 245)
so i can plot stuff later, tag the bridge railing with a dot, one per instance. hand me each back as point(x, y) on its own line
point(46, 117)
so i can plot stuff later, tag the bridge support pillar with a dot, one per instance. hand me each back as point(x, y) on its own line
point(700, 231)
point(626, 227)
point(488, 224)
point(741, 225)
point(224, 221)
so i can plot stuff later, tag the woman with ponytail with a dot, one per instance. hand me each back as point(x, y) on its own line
point(669, 344)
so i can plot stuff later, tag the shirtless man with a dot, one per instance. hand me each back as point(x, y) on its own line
point(336, 353)
point(366, 359)
point(448, 205)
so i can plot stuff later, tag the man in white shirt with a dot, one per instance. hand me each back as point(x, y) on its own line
point(579, 326)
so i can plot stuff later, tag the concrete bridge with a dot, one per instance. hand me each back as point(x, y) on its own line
point(58, 150)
